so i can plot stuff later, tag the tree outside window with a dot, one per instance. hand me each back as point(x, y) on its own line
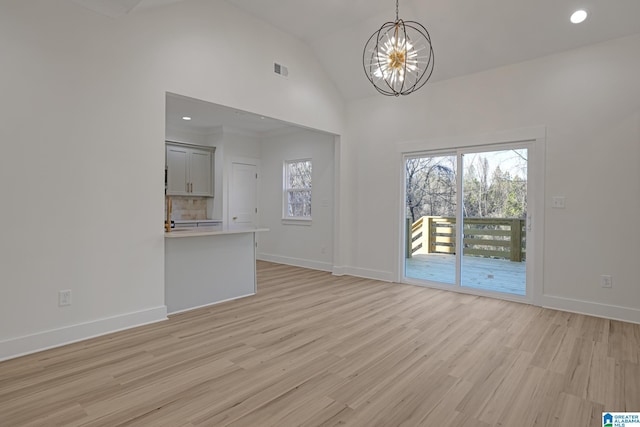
point(297, 189)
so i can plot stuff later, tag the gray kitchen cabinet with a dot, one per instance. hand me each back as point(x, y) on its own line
point(189, 170)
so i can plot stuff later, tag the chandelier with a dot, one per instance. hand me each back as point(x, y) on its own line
point(398, 58)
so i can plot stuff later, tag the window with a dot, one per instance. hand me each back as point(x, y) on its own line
point(297, 190)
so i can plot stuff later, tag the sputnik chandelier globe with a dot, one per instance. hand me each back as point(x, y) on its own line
point(398, 58)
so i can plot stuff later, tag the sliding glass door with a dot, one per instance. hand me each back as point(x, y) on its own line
point(479, 195)
point(431, 198)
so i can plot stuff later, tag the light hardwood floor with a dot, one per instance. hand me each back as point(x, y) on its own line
point(317, 350)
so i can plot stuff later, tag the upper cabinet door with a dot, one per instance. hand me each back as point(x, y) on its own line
point(177, 170)
point(189, 171)
point(201, 180)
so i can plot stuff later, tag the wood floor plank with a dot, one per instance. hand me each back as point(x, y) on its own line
point(313, 349)
point(577, 375)
point(631, 379)
point(533, 403)
point(571, 411)
point(336, 414)
point(441, 414)
point(497, 402)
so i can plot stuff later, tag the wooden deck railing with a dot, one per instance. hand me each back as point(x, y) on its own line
point(485, 237)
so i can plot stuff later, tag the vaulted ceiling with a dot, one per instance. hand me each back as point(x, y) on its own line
point(468, 35)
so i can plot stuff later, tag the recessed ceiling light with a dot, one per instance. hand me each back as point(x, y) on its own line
point(186, 118)
point(578, 16)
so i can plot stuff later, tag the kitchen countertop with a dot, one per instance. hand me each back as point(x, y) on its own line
point(179, 232)
point(183, 221)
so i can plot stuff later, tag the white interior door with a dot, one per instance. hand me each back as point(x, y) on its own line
point(243, 195)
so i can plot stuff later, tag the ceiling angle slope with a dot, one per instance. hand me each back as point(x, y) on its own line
point(111, 8)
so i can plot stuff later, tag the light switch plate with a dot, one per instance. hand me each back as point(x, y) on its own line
point(64, 297)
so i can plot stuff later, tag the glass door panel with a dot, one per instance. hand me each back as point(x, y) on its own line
point(430, 204)
point(494, 193)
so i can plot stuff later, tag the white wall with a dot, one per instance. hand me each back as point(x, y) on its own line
point(309, 245)
point(589, 101)
point(82, 131)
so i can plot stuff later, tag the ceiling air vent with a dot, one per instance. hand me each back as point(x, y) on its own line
point(280, 70)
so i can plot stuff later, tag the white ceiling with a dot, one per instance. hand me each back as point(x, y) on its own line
point(468, 36)
point(207, 117)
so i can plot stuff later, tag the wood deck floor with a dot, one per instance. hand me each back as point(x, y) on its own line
point(312, 349)
point(496, 275)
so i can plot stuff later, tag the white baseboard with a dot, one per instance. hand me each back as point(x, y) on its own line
point(385, 276)
point(296, 262)
point(45, 340)
point(589, 308)
point(210, 304)
point(339, 270)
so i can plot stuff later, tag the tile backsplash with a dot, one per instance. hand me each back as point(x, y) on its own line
point(188, 207)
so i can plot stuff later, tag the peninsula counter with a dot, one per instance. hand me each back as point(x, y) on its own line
point(205, 266)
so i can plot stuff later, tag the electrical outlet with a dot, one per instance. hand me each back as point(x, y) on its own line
point(606, 281)
point(64, 298)
point(558, 202)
